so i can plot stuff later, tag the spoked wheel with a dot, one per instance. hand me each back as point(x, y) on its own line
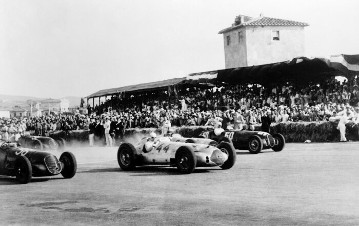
point(126, 156)
point(255, 145)
point(23, 170)
point(186, 160)
point(229, 150)
point(69, 165)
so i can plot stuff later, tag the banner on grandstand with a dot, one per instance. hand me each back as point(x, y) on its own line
point(203, 76)
point(345, 63)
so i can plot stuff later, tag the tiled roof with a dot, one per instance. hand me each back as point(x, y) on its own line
point(265, 21)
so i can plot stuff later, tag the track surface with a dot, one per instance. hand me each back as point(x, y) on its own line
point(306, 184)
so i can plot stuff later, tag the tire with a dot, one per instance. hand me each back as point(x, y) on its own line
point(23, 170)
point(281, 142)
point(231, 152)
point(190, 141)
point(126, 157)
point(255, 144)
point(69, 165)
point(186, 160)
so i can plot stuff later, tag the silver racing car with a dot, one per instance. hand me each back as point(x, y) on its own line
point(185, 156)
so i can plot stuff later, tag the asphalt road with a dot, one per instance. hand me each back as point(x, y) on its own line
point(306, 184)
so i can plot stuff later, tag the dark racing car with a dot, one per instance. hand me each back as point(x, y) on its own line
point(24, 163)
point(40, 142)
point(254, 141)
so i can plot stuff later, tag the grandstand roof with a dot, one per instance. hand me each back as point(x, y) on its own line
point(138, 87)
point(300, 71)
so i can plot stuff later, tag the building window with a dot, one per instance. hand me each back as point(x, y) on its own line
point(239, 37)
point(275, 35)
point(228, 40)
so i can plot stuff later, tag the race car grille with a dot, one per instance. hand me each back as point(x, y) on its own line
point(270, 140)
point(52, 164)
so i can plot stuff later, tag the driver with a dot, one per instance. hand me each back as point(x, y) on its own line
point(218, 126)
point(151, 142)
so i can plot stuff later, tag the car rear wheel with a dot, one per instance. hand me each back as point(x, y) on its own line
point(23, 170)
point(69, 165)
point(228, 149)
point(186, 160)
point(280, 142)
point(126, 157)
point(255, 144)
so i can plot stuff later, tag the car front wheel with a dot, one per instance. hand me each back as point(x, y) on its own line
point(126, 157)
point(228, 149)
point(280, 142)
point(186, 160)
point(69, 165)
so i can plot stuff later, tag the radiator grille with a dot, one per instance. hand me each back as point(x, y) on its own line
point(52, 164)
point(270, 140)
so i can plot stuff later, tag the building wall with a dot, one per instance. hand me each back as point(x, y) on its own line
point(235, 53)
point(262, 49)
point(18, 114)
point(64, 105)
point(258, 47)
point(4, 114)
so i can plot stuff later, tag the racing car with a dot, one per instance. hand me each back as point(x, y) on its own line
point(24, 163)
point(65, 138)
point(178, 138)
point(185, 156)
point(254, 141)
point(40, 142)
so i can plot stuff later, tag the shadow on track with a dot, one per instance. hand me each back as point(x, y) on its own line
point(5, 180)
point(242, 152)
point(148, 171)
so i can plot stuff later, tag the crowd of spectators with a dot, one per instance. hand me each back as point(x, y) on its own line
point(236, 105)
point(239, 106)
point(41, 126)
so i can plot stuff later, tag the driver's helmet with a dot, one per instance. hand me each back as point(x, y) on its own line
point(153, 135)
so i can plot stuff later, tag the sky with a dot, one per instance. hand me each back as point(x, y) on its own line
point(58, 48)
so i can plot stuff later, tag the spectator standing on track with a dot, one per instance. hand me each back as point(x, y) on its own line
point(113, 129)
point(166, 126)
point(92, 128)
point(98, 130)
point(108, 138)
point(266, 121)
point(344, 117)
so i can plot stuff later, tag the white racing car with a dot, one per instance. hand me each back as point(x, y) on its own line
point(185, 156)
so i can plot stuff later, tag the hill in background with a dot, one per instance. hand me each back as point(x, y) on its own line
point(9, 101)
